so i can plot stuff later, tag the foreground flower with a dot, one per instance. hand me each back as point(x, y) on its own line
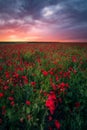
point(50, 102)
point(57, 124)
point(50, 105)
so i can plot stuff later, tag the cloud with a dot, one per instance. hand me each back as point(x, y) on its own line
point(51, 10)
point(39, 19)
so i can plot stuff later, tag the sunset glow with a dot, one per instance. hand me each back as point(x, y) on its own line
point(50, 20)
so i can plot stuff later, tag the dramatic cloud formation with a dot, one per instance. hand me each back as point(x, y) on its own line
point(47, 20)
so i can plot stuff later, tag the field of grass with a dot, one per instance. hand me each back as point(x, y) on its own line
point(43, 86)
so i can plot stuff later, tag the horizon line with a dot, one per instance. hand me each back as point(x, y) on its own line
point(43, 41)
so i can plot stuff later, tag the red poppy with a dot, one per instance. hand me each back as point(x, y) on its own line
point(57, 78)
point(50, 128)
point(1, 68)
point(45, 73)
point(50, 105)
point(1, 95)
point(33, 83)
point(53, 86)
point(51, 101)
point(7, 74)
point(57, 124)
point(11, 98)
point(50, 118)
point(63, 86)
point(74, 59)
point(77, 104)
point(5, 87)
point(12, 103)
point(28, 102)
point(0, 121)
point(25, 79)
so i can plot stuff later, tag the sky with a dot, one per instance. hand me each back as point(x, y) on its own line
point(43, 20)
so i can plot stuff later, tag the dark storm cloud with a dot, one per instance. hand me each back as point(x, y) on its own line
point(76, 9)
point(62, 15)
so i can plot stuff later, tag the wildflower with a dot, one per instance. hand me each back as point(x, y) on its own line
point(45, 93)
point(54, 86)
point(3, 110)
point(74, 59)
point(5, 87)
point(45, 73)
point(57, 124)
point(12, 103)
point(51, 71)
point(25, 79)
point(60, 100)
point(33, 83)
point(1, 95)
point(12, 91)
point(50, 105)
point(10, 98)
point(52, 95)
point(77, 104)
point(7, 74)
point(74, 71)
point(28, 102)
point(0, 121)
point(50, 102)
point(50, 128)
point(66, 74)
point(50, 118)
point(63, 86)
point(57, 78)
point(1, 68)
point(16, 75)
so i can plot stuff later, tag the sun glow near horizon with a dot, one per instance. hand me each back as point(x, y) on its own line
point(25, 20)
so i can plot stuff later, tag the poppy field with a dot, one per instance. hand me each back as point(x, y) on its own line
point(43, 87)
